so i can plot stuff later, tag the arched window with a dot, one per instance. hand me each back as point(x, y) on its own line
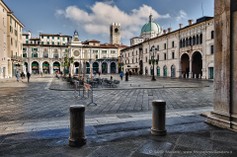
point(194, 40)
point(45, 55)
point(212, 34)
point(201, 39)
point(55, 55)
point(197, 39)
point(180, 43)
point(34, 55)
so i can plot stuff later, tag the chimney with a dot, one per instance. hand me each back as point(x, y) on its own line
point(180, 25)
point(169, 29)
point(190, 22)
point(164, 31)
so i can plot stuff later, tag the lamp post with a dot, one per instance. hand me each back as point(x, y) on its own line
point(152, 50)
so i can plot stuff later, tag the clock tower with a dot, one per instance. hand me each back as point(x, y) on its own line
point(115, 33)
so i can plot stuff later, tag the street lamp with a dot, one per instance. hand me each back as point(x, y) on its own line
point(153, 49)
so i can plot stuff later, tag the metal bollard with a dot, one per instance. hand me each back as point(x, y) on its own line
point(158, 117)
point(77, 126)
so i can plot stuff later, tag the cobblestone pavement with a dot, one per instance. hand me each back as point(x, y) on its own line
point(33, 101)
point(22, 101)
point(34, 120)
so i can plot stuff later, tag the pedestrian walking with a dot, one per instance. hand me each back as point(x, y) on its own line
point(121, 75)
point(17, 76)
point(22, 75)
point(28, 76)
point(99, 73)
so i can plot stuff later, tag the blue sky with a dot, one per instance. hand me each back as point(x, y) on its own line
point(91, 18)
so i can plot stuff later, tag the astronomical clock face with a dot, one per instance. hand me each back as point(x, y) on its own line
point(76, 53)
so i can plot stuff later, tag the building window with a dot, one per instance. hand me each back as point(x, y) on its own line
point(158, 57)
point(112, 51)
point(212, 34)
point(34, 49)
point(158, 47)
point(104, 51)
point(212, 49)
point(201, 39)
point(146, 50)
point(25, 55)
point(172, 55)
point(146, 59)
point(34, 55)
point(55, 55)
point(95, 51)
point(172, 44)
point(164, 45)
point(45, 55)
point(164, 56)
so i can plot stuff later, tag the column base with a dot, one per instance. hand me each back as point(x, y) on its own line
point(158, 132)
point(77, 142)
point(222, 121)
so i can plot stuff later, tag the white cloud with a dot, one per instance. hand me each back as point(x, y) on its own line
point(102, 15)
point(181, 15)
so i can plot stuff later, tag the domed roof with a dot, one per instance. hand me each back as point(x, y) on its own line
point(150, 27)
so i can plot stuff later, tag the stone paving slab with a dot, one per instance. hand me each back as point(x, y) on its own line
point(195, 139)
point(35, 125)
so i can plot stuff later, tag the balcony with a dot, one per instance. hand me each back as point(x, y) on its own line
point(16, 58)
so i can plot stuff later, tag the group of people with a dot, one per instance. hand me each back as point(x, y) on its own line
point(22, 75)
point(122, 75)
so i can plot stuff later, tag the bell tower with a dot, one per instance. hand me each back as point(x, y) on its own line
point(115, 33)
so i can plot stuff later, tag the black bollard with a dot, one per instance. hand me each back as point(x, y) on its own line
point(126, 76)
point(77, 126)
point(158, 117)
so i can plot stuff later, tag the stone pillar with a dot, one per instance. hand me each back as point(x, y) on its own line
point(158, 117)
point(190, 68)
point(100, 67)
point(109, 71)
point(225, 83)
point(180, 69)
point(77, 126)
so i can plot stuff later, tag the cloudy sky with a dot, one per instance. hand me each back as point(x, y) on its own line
point(91, 18)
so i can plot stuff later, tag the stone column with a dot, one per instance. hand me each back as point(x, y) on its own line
point(190, 68)
point(180, 69)
point(100, 67)
point(109, 71)
point(225, 84)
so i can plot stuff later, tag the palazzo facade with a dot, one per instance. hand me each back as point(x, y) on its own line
point(10, 42)
point(187, 52)
point(46, 54)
